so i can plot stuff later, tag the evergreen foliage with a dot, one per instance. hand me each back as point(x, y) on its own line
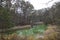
point(5, 18)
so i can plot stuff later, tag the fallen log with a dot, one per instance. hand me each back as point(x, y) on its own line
point(15, 28)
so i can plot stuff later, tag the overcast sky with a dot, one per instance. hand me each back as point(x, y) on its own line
point(39, 4)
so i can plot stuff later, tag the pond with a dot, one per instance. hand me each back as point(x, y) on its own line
point(37, 29)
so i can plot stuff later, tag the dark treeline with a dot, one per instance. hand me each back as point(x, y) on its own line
point(23, 13)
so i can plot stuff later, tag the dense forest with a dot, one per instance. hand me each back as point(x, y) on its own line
point(20, 14)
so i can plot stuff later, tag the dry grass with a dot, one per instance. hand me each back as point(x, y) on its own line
point(50, 33)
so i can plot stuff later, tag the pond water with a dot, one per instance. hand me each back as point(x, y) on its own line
point(37, 29)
